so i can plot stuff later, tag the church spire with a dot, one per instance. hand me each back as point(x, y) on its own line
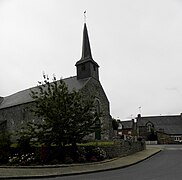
point(86, 50)
point(86, 66)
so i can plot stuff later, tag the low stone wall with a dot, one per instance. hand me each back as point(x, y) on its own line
point(123, 148)
point(150, 142)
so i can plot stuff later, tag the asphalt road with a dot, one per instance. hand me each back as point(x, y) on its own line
point(166, 165)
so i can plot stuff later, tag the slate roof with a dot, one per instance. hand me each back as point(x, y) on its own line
point(168, 124)
point(127, 124)
point(23, 97)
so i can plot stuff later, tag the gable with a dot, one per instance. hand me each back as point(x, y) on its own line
point(95, 88)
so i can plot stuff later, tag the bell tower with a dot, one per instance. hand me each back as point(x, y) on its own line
point(86, 66)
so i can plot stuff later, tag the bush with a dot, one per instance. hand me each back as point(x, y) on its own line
point(23, 145)
point(82, 155)
point(5, 144)
point(95, 154)
point(23, 160)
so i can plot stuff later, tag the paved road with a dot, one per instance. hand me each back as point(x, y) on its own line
point(166, 165)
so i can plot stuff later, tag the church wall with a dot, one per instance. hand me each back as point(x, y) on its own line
point(94, 88)
point(17, 117)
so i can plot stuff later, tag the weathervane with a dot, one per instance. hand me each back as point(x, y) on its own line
point(84, 16)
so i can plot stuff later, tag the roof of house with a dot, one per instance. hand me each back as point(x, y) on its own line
point(23, 97)
point(127, 124)
point(168, 124)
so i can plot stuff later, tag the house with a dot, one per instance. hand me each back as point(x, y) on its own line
point(165, 129)
point(126, 127)
point(14, 109)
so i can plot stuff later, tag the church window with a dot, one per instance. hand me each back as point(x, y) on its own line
point(98, 121)
point(97, 105)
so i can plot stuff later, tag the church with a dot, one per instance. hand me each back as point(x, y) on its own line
point(14, 109)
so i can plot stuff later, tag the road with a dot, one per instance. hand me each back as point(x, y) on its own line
point(166, 165)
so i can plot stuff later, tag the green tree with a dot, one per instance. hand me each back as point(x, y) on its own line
point(67, 116)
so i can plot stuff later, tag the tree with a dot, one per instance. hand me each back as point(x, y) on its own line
point(115, 124)
point(67, 116)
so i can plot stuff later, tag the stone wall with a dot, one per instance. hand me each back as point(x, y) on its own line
point(94, 88)
point(17, 117)
point(123, 148)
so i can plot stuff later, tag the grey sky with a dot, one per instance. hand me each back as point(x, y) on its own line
point(138, 45)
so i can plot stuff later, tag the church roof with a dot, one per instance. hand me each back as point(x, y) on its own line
point(86, 50)
point(23, 97)
point(167, 124)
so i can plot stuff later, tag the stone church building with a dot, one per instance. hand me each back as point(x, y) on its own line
point(14, 109)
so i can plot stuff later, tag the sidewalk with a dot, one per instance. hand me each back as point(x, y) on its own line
point(73, 169)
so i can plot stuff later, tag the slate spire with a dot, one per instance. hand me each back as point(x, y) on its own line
point(86, 50)
point(86, 66)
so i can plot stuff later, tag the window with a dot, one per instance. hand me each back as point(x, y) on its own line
point(150, 127)
point(98, 121)
point(177, 138)
point(97, 105)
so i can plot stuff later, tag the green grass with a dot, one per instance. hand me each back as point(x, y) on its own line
point(92, 143)
point(97, 143)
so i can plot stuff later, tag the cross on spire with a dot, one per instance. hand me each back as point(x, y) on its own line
point(85, 18)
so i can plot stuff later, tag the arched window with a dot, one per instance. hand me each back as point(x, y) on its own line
point(97, 106)
point(98, 121)
point(150, 127)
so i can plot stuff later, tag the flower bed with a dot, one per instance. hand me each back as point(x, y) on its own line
point(82, 154)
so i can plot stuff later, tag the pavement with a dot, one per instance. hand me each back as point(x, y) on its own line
point(74, 169)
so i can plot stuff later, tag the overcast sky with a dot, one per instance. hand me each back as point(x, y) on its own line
point(138, 45)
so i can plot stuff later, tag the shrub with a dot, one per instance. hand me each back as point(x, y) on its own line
point(96, 154)
point(68, 160)
point(23, 144)
point(82, 155)
point(5, 144)
point(23, 160)
point(99, 153)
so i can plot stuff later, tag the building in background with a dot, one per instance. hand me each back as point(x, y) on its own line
point(164, 129)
